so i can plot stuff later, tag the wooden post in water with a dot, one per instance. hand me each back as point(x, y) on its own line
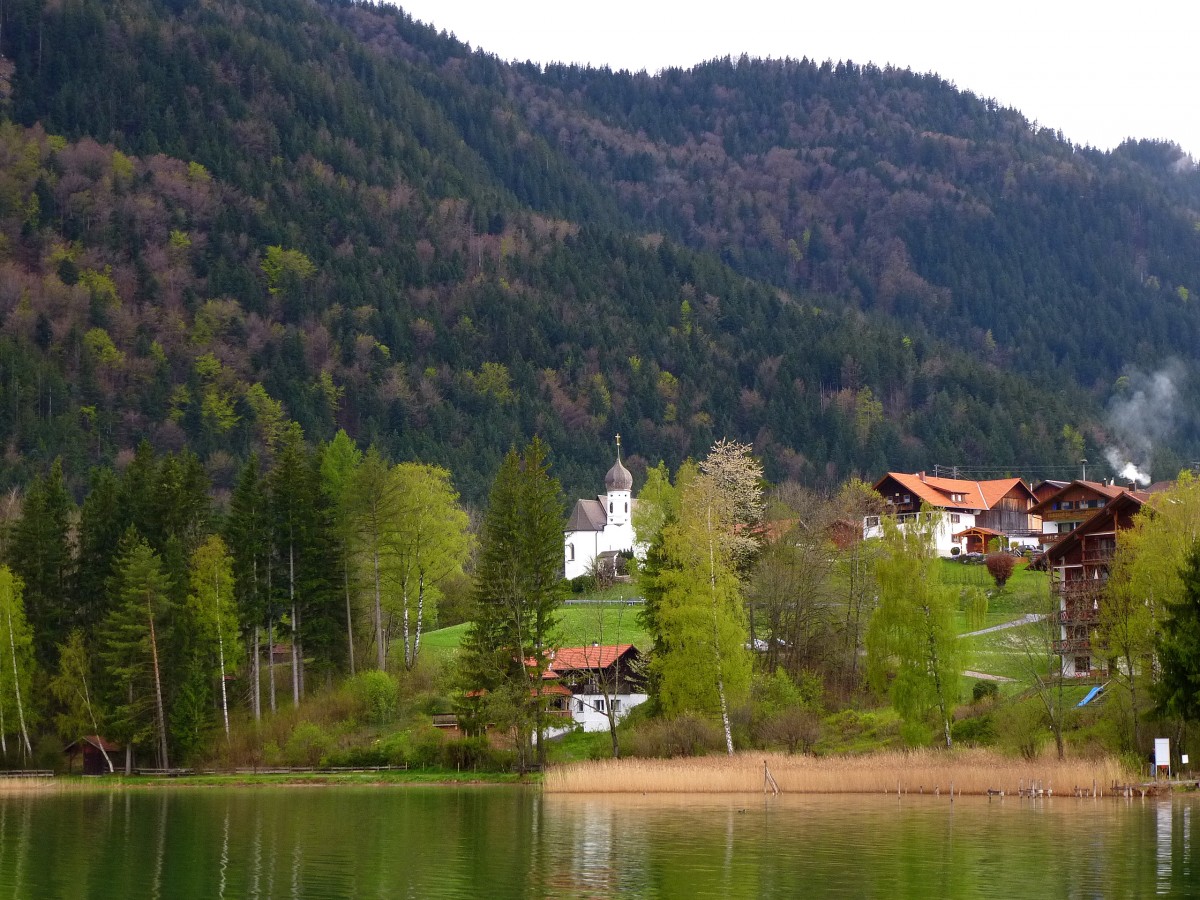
point(769, 782)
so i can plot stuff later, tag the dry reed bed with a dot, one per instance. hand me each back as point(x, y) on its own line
point(927, 771)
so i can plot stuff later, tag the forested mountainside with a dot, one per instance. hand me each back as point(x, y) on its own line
point(219, 215)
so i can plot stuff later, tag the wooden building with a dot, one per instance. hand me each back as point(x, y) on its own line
point(1079, 567)
point(1002, 506)
point(1064, 510)
point(92, 748)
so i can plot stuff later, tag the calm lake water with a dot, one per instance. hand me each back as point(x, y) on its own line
point(513, 842)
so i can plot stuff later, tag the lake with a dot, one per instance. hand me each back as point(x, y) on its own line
point(432, 842)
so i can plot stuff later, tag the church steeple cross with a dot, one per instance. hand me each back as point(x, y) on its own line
point(618, 446)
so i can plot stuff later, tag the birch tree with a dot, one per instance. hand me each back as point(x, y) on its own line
point(702, 662)
point(16, 651)
point(432, 543)
point(213, 613)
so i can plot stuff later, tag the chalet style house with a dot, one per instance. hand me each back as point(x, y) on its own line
point(973, 512)
point(596, 679)
point(1065, 509)
point(1079, 566)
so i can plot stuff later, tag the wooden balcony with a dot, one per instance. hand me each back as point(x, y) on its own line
point(1080, 588)
point(1078, 615)
point(1072, 645)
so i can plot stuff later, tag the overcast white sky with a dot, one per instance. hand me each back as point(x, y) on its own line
point(1098, 70)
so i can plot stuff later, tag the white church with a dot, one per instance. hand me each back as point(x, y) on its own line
point(603, 525)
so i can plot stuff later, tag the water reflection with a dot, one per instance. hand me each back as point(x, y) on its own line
point(500, 842)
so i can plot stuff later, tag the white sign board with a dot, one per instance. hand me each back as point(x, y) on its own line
point(1184, 759)
point(1162, 752)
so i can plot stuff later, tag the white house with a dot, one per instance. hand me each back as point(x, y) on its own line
point(603, 525)
point(971, 512)
point(599, 678)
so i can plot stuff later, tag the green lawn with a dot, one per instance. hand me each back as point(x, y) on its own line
point(579, 624)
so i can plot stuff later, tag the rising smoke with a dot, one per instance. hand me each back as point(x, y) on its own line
point(1142, 415)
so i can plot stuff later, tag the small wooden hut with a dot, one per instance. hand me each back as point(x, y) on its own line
point(92, 747)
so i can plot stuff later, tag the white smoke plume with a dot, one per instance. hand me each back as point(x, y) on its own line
point(1143, 414)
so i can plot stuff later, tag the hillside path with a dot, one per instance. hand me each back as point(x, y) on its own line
point(1027, 619)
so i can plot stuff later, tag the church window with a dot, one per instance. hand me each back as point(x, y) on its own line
point(610, 506)
point(571, 552)
point(626, 507)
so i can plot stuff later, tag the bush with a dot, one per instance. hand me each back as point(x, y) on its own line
point(582, 584)
point(1000, 567)
point(984, 690)
point(977, 731)
point(476, 755)
point(685, 735)
point(376, 694)
point(796, 728)
point(307, 746)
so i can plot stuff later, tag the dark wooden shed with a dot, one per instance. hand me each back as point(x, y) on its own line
point(92, 748)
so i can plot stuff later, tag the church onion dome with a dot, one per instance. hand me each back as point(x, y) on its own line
point(618, 478)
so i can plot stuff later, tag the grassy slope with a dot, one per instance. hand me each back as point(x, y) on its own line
point(579, 624)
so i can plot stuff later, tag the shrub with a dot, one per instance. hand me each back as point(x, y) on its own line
point(1000, 567)
point(376, 694)
point(977, 731)
point(684, 735)
point(307, 746)
point(984, 690)
point(796, 728)
point(582, 584)
point(475, 754)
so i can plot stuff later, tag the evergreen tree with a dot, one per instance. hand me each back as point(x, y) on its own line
point(340, 460)
point(1178, 688)
point(40, 554)
point(518, 590)
point(100, 530)
point(247, 532)
point(131, 648)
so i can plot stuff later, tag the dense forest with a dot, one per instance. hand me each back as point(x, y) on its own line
point(220, 216)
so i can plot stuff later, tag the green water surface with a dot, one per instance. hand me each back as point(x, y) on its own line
point(433, 842)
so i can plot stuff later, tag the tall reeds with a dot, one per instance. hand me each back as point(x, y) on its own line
point(914, 772)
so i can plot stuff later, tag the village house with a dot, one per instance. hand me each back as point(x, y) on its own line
point(602, 528)
point(1065, 509)
point(600, 678)
point(973, 513)
point(1079, 565)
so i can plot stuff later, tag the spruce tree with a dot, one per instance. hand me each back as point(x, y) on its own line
point(518, 591)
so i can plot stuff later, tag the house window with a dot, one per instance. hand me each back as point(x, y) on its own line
point(600, 705)
point(872, 521)
point(578, 706)
point(954, 517)
point(616, 705)
point(1083, 664)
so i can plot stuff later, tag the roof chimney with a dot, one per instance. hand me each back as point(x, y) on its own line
point(921, 475)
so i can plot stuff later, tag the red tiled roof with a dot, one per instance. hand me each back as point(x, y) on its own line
point(573, 659)
point(938, 491)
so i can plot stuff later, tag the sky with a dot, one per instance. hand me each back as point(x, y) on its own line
point(1098, 71)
